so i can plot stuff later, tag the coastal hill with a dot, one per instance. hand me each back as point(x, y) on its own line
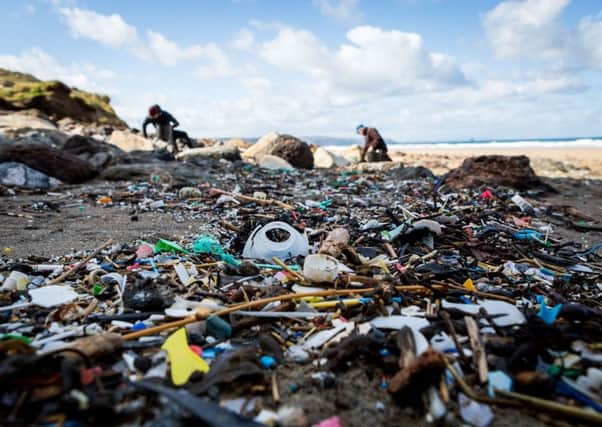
point(19, 91)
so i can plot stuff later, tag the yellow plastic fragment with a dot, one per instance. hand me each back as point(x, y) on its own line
point(331, 304)
point(468, 285)
point(182, 360)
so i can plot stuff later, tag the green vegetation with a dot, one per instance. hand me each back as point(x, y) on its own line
point(22, 91)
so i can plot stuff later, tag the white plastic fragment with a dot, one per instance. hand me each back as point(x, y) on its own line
point(511, 314)
point(474, 413)
point(320, 268)
point(259, 246)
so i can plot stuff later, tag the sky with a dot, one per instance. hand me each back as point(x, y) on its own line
point(418, 70)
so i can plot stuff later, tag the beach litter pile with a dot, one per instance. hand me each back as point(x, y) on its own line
point(317, 298)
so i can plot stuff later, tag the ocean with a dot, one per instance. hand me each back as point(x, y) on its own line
point(580, 142)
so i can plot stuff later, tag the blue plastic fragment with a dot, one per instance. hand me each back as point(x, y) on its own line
point(268, 362)
point(107, 266)
point(498, 380)
point(547, 314)
point(465, 299)
point(564, 388)
point(384, 352)
point(398, 300)
point(527, 234)
point(138, 326)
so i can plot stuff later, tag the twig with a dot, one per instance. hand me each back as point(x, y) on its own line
point(572, 412)
point(75, 269)
point(478, 352)
point(452, 332)
point(298, 275)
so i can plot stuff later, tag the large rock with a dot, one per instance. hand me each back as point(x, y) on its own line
point(325, 159)
point(129, 141)
point(263, 146)
point(16, 121)
point(51, 161)
point(494, 171)
point(293, 150)
point(99, 153)
point(177, 173)
point(15, 174)
point(216, 152)
point(267, 161)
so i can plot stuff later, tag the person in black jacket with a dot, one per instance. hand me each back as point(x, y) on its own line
point(165, 125)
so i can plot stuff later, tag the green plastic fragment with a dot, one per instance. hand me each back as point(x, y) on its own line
point(168, 246)
point(26, 340)
point(98, 289)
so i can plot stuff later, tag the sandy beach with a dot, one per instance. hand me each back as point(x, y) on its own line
point(553, 162)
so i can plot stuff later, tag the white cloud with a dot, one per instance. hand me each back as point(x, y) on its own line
point(243, 40)
point(43, 66)
point(532, 29)
point(376, 60)
point(111, 30)
point(342, 10)
point(114, 31)
point(169, 53)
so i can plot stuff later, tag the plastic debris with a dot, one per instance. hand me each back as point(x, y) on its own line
point(260, 246)
point(183, 361)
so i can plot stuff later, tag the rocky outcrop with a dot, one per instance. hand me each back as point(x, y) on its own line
point(293, 150)
point(494, 171)
point(20, 91)
point(23, 121)
point(130, 141)
point(176, 173)
point(99, 153)
point(216, 152)
point(49, 160)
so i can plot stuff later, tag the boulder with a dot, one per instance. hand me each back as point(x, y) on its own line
point(177, 173)
point(51, 161)
point(15, 174)
point(494, 171)
point(263, 146)
point(293, 150)
point(326, 159)
point(129, 141)
point(268, 161)
point(216, 152)
point(99, 153)
point(16, 121)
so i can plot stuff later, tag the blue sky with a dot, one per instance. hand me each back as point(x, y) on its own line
point(416, 69)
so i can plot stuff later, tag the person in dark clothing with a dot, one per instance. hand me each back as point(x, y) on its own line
point(165, 125)
point(374, 145)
